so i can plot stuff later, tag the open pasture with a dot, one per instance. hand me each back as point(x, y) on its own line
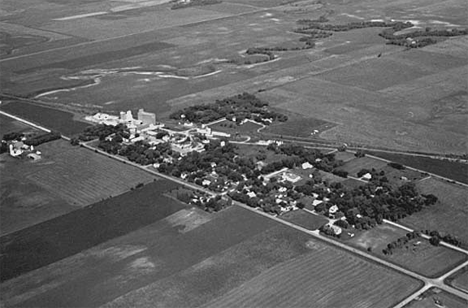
point(326, 277)
point(449, 215)
point(423, 258)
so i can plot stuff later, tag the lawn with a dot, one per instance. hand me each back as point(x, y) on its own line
point(449, 215)
point(304, 219)
point(452, 170)
point(64, 236)
point(62, 121)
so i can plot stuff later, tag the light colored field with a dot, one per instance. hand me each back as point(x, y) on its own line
point(449, 215)
point(82, 177)
point(325, 277)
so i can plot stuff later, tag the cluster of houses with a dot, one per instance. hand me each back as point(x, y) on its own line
point(18, 149)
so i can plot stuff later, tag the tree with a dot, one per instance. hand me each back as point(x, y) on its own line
point(434, 240)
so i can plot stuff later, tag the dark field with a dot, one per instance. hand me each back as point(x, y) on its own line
point(448, 169)
point(53, 119)
point(61, 237)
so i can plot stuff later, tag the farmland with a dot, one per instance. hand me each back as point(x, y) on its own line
point(66, 178)
point(75, 232)
point(166, 264)
point(422, 258)
point(449, 215)
point(337, 277)
point(63, 236)
point(321, 89)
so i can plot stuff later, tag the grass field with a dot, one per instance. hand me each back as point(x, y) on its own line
point(325, 277)
point(62, 121)
point(449, 215)
point(355, 165)
point(304, 219)
point(425, 259)
point(452, 170)
point(232, 128)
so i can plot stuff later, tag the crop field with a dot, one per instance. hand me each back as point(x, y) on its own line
point(449, 215)
point(304, 219)
point(460, 279)
point(66, 178)
point(154, 253)
point(326, 277)
point(423, 258)
point(449, 169)
point(80, 176)
point(63, 122)
point(61, 237)
point(429, 297)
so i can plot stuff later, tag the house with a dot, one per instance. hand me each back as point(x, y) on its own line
point(366, 176)
point(332, 210)
point(306, 165)
point(291, 177)
point(34, 156)
point(206, 182)
point(251, 194)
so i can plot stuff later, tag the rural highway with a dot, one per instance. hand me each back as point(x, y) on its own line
point(428, 282)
